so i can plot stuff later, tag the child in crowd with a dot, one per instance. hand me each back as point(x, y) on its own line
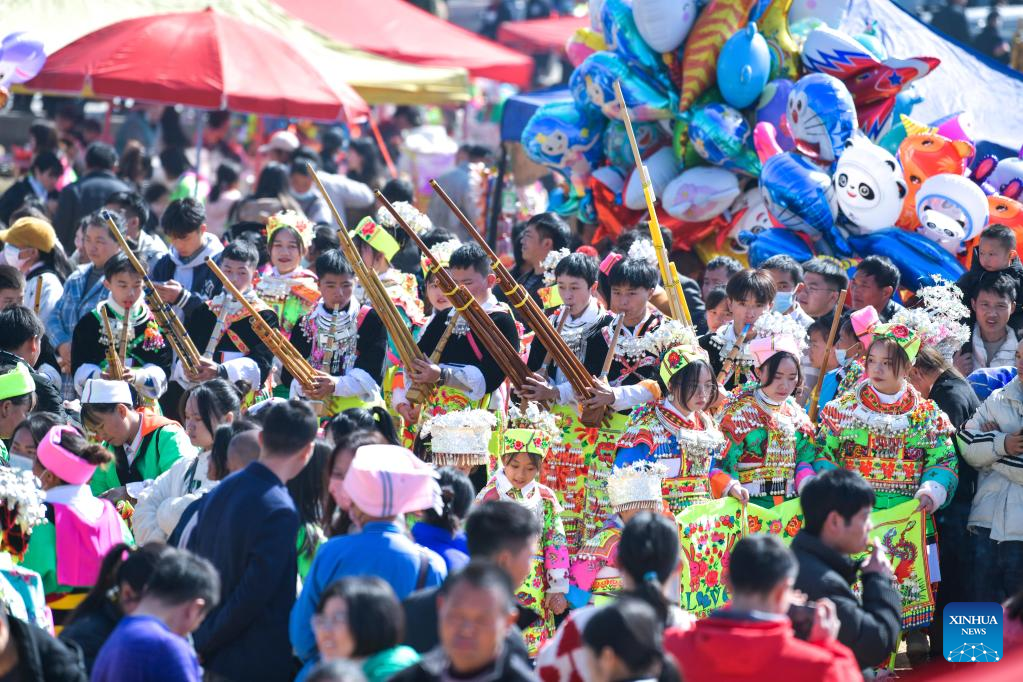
point(31, 246)
point(718, 312)
point(182, 276)
point(854, 336)
point(750, 294)
point(996, 254)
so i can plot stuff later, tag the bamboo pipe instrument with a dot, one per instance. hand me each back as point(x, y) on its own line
point(290, 358)
point(38, 301)
point(165, 317)
point(815, 395)
point(114, 366)
point(122, 350)
point(507, 357)
point(609, 358)
point(562, 318)
point(399, 332)
point(726, 366)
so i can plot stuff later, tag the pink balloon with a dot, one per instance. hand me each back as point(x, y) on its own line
point(765, 139)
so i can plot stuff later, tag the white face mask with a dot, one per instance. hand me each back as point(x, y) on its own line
point(12, 256)
point(21, 462)
point(840, 356)
point(783, 301)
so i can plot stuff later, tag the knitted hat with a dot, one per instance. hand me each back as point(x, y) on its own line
point(299, 223)
point(636, 486)
point(388, 480)
point(907, 339)
point(30, 233)
point(534, 431)
point(460, 438)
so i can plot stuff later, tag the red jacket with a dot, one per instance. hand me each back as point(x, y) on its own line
point(720, 649)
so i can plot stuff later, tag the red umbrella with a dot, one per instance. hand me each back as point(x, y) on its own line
point(199, 59)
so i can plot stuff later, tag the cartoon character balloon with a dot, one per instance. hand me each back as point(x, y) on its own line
point(561, 137)
point(592, 87)
point(661, 167)
point(869, 186)
point(917, 258)
point(821, 116)
point(1008, 169)
point(952, 210)
point(717, 22)
point(21, 58)
point(925, 155)
point(650, 136)
point(721, 135)
point(664, 24)
point(773, 107)
point(583, 43)
point(744, 67)
point(699, 194)
point(623, 38)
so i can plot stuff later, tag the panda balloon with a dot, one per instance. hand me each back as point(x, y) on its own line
point(869, 186)
point(952, 210)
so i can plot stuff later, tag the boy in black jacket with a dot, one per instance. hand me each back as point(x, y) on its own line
point(182, 277)
point(995, 255)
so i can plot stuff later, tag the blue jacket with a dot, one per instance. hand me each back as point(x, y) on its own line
point(452, 548)
point(74, 305)
point(247, 527)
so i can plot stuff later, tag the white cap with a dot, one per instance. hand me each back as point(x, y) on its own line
point(104, 391)
point(281, 141)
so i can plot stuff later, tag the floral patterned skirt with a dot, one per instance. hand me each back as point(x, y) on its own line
point(531, 594)
point(604, 443)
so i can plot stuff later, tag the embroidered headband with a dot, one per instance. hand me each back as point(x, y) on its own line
point(300, 224)
point(64, 464)
point(17, 382)
point(636, 486)
point(610, 260)
point(764, 348)
point(376, 236)
point(675, 359)
point(863, 322)
point(534, 431)
point(907, 339)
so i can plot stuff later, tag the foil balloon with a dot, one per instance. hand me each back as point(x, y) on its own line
point(774, 24)
point(650, 136)
point(592, 87)
point(821, 116)
point(869, 186)
point(957, 126)
point(923, 156)
point(872, 41)
point(831, 12)
point(21, 58)
point(561, 137)
point(596, 8)
point(664, 24)
point(661, 167)
point(743, 67)
point(773, 106)
point(775, 241)
point(1007, 170)
point(717, 22)
point(623, 38)
point(699, 194)
point(721, 244)
point(952, 210)
point(583, 43)
point(1007, 211)
point(917, 258)
point(721, 136)
point(750, 213)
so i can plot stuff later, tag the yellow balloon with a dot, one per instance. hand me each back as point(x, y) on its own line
point(774, 25)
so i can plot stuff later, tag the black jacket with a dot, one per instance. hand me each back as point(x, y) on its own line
point(433, 667)
point(694, 300)
point(91, 631)
point(970, 282)
point(42, 658)
point(870, 629)
point(81, 198)
point(205, 284)
point(47, 396)
point(14, 198)
point(955, 397)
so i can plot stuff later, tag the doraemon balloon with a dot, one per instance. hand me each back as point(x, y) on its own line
point(592, 87)
point(721, 135)
point(869, 186)
point(751, 214)
point(559, 136)
point(699, 194)
point(744, 66)
point(650, 136)
point(821, 116)
point(777, 240)
point(952, 210)
point(664, 24)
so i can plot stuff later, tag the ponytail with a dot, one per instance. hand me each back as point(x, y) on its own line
point(648, 552)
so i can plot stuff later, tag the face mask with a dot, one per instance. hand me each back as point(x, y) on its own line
point(21, 462)
point(337, 491)
point(783, 301)
point(302, 196)
point(840, 356)
point(12, 255)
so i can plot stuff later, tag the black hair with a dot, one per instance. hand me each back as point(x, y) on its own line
point(883, 271)
point(478, 153)
point(48, 163)
point(822, 326)
point(729, 264)
point(227, 175)
point(75, 443)
point(397, 189)
point(578, 265)
point(242, 251)
point(336, 521)
point(38, 424)
point(324, 239)
point(375, 618)
point(174, 162)
point(751, 283)
point(1003, 234)
point(332, 262)
point(299, 167)
point(769, 370)
point(483, 575)
point(273, 181)
point(684, 384)
point(642, 233)
point(25, 398)
point(497, 525)
point(306, 492)
point(1001, 285)
point(457, 493)
point(363, 418)
point(183, 217)
point(437, 235)
point(44, 135)
point(785, 263)
point(214, 400)
point(929, 359)
point(648, 552)
point(222, 437)
point(19, 325)
point(154, 192)
point(550, 226)
point(633, 631)
point(827, 268)
point(216, 119)
point(838, 490)
point(714, 297)
point(634, 272)
point(117, 264)
point(98, 218)
point(845, 326)
point(91, 413)
point(180, 577)
point(759, 563)
point(288, 427)
point(372, 164)
point(100, 156)
point(131, 204)
point(11, 278)
point(470, 256)
point(123, 563)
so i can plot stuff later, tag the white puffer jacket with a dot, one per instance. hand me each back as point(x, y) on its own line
point(998, 504)
point(161, 505)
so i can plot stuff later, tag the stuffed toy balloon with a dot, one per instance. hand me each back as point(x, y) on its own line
point(583, 43)
point(917, 258)
point(743, 67)
point(1007, 170)
point(774, 24)
point(661, 167)
point(772, 108)
point(869, 186)
point(821, 116)
point(952, 210)
point(924, 156)
point(21, 58)
point(699, 194)
point(799, 196)
point(664, 24)
point(775, 241)
point(750, 213)
point(624, 39)
point(721, 135)
point(592, 87)
point(650, 136)
point(831, 12)
point(717, 22)
point(957, 126)
point(561, 137)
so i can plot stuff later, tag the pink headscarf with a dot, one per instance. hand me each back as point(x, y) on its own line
point(388, 480)
point(63, 463)
point(863, 322)
point(763, 348)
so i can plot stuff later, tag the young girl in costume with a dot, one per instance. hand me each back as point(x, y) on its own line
point(527, 442)
point(21, 510)
point(769, 438)
point(67, 550)
point(289, 289)
point(675, 430)
point(854, 336)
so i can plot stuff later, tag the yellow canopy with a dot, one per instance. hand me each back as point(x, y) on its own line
point(379, 80)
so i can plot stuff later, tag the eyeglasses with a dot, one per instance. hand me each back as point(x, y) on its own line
point(820, 290)
point(323, 622)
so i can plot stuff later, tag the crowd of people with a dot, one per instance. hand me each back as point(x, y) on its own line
point(298, 497)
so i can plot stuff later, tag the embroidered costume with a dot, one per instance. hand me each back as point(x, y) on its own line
point(291, 296)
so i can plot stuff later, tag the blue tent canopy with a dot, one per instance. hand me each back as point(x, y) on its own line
point(518, 110)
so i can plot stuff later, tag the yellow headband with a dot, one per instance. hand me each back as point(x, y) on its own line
point(16, 383)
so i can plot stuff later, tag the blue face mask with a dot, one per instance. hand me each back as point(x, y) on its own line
point(840, 356)
point(783, 301)
point(302, 196)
